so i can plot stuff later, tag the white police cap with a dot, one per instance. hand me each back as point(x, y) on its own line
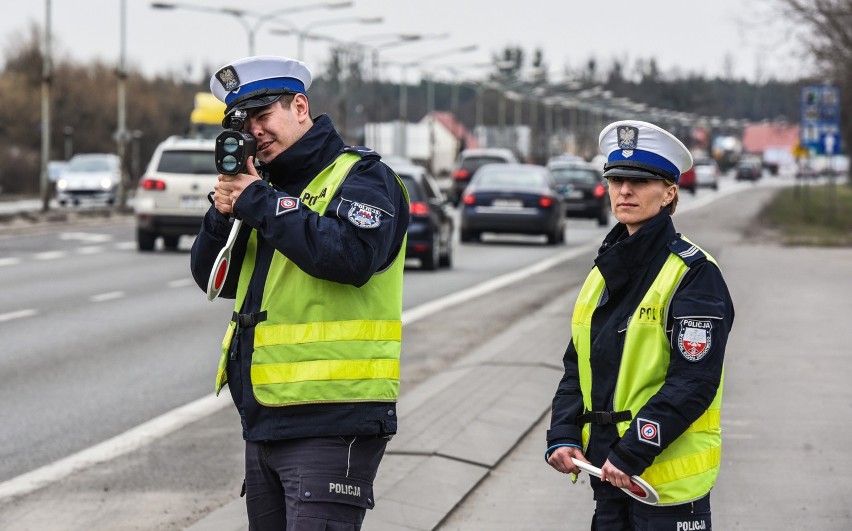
point(258, 81)
point(643, 150)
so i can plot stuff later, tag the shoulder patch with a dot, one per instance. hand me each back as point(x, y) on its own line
point(688, 252)
point(648, 431)
point(286, 204)
point(363, 152)
point(695, 338)
point(364, 216)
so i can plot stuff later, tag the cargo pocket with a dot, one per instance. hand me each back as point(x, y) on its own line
point(335, 498)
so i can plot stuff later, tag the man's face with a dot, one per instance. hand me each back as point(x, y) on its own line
point(276, 127)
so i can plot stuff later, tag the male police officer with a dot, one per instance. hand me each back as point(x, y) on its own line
point(311, 355)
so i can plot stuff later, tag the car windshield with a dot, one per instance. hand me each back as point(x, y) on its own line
point(87, 165)
point(575, 175)
point(510, 179)
point(473, 163)
point(413, 190)
point(194, 162)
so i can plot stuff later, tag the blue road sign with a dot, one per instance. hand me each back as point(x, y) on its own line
point(820, 121)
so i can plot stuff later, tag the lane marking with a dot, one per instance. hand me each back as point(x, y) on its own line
point(17, 314)
point(50, 255)
point(102, 297)
point(181, 283)
point(90, 237)
point(90, 249)
point(9, 261)
point(125, 246)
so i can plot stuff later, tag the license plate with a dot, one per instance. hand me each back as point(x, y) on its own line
point(194, 202)
point(508, 203)
point(575, 194)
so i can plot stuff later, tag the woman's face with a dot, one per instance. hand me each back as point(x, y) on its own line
point(635, 201)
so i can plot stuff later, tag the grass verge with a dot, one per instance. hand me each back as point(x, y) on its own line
point(811, 214)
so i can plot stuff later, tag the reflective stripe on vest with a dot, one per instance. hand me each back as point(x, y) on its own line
point(322, 341)
point(687, 468)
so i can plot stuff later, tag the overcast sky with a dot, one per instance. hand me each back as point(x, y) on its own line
point(703, 36)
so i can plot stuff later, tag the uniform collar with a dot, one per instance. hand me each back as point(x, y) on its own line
point(622, 257)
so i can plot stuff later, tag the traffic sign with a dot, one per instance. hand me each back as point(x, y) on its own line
point(820, 121)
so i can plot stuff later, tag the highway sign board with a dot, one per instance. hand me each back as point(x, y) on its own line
point(820, 119)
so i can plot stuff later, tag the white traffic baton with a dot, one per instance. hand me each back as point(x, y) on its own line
point(223, 263)
point(639, 488)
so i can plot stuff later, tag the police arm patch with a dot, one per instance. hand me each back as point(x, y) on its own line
point(364, 216)
point(648, 431)
point(286, 204)
point(695, 338)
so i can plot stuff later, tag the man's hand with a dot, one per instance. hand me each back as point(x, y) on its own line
point(560, 459)
point(228, 189)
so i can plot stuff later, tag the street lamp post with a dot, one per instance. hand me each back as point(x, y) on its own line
point(45, 111)
point(243, 15)
point(121, 131)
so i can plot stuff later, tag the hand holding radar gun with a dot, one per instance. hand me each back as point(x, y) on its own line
point(639, 488)
point(233, 148)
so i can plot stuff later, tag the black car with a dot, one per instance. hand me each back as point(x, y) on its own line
point(513, 198)
point(584, 189)
point(471, 160)
point(749, 169)
point(430, 230)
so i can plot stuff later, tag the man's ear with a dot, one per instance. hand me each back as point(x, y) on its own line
point(302, 108)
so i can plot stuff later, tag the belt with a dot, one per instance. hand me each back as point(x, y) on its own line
point(245, 320)
point(603, 417)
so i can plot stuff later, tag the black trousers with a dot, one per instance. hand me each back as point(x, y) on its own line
point(627, 514)
point(311, 484)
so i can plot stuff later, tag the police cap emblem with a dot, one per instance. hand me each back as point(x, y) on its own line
point(228, 77)
point(628, 137)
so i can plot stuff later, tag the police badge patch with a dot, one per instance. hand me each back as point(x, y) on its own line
point(286, 204)
point(648, 431)
point(364, 216)
point(228, 78)
point(694, 339)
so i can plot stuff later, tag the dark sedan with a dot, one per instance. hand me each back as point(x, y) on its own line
point(584, 189)
point(513, 198)
point(430, 229)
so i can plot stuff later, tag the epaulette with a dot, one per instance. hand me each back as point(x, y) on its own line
point(688, 251)
point(364, 152)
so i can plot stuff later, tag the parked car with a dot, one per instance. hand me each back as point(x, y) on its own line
point(749, 169)
point(513, 198)
point(89, 176)
point(584, 190)
point(171, 198)
point(706, 173)
point(430, 229)
point(471, 160)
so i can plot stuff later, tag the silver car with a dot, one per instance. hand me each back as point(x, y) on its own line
point(89, 176)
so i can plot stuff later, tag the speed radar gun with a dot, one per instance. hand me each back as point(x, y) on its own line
point(639, 488)
point(233, 148)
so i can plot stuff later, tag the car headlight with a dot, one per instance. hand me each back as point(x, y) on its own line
point(61, 184)
point(106, 183)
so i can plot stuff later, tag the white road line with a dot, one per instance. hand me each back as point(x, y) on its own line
point(90, 237)
point(181, 283)
point(124, 246)
point(50, 255)
point(17, 314)
point(9, 261)
point(119, 445)
point(90, 249)
point(102, 297)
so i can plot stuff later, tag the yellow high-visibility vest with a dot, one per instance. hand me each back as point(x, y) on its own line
point(686, 470)
point(322, 341)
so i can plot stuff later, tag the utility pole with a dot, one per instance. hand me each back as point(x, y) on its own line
point(46, 73)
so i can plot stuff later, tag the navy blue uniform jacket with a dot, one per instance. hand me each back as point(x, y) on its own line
point(329, 247)
point(629, 264)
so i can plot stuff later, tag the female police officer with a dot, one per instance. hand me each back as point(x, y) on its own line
point(311, 355)
point(642, 388)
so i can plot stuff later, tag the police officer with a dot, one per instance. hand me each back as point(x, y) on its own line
point(642, 387)
point(311, 355)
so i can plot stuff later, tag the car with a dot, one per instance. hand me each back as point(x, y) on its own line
point(513, 198)
point(431, 221)
point(749, 169)
point(584, 190)
point(687, 180)
point(89, 176)
point(469, 161)
point(171, 198)
point(706, 173)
